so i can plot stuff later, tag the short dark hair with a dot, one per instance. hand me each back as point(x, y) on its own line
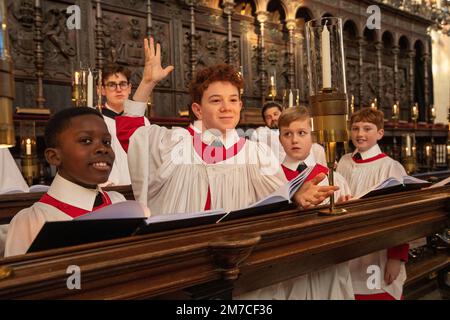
point(270, 104)
point(60, 121)
point(112, 69)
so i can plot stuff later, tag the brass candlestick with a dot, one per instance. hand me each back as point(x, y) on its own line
point(395, 113)
point(352, 105)
point(273, 92)
point(328, 92)
point(28, 151)
point(409, 152)
point(374, 104)
point(415, 114)
point(432, 114)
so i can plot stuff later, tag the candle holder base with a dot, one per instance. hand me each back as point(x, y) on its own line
point(332, 212)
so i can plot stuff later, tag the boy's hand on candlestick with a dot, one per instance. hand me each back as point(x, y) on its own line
point(153, 71)
point(311, 194)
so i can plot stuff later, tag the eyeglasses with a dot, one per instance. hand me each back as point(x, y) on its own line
point(113, 86)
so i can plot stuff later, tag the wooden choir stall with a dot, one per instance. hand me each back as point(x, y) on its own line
point(217, 260)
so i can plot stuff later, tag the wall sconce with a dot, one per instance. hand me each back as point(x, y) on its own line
point(409, 152)
point(28, 151)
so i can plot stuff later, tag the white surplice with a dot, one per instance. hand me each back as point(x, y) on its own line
point(10, 179)
point(26, 224)
point(331, 283)
point(170, 176)
point(120, 174)
point(362, 177)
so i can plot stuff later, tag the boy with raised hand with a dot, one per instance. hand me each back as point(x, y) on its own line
point(365, 168)
point(207, 166)
point(79, 145)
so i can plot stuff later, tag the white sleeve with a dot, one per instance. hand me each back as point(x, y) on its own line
point(145, 157)
point(134, 108)
point(23, 229)
point(10, 175)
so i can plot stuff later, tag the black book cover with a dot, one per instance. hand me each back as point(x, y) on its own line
point(59, 234)
point(395, 189)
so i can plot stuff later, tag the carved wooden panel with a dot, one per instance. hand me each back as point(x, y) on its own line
point(369, 83)
point(352, 75)
point(124, 27)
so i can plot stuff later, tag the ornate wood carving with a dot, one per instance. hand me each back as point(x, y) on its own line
point(395, 52)
point(254, 40)
point(99, 43)
point(149, 19)
point(39, 54)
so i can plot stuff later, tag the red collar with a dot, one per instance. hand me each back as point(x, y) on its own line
point(70, 210)
point(291, 174)
point(379, 156)
point(211, 154)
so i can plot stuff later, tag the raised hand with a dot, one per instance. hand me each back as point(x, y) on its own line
point(153, 71)
point(311, 194)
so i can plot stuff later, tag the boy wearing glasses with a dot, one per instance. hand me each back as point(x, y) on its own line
point(116, 89)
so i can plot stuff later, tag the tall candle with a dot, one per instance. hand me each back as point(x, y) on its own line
point(272, 81)
point(291, 99)
point(99, 90)
point(28, 147)
point(408, 145)
point(77, 78)
point(415, 112)
point(326, 58)
point(428, 151)
point(90, 90)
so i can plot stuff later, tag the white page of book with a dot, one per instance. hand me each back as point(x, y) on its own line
point(121, 210)
point(181, 216)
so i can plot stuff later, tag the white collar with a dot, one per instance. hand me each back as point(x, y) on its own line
point(372, 152)
point(208, 137)
point(292, 164)
point(71, 193)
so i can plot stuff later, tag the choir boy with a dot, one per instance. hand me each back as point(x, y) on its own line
point(365, 168)
point(330, 283)
point(208, 165)
point(79, 145)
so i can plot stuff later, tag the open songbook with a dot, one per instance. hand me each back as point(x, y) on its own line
point(114, 221)
point(441, 183)
point(392, 185)
point(129, 218)
point(34, 188)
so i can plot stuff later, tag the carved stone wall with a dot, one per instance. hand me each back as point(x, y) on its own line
point(125, 26)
